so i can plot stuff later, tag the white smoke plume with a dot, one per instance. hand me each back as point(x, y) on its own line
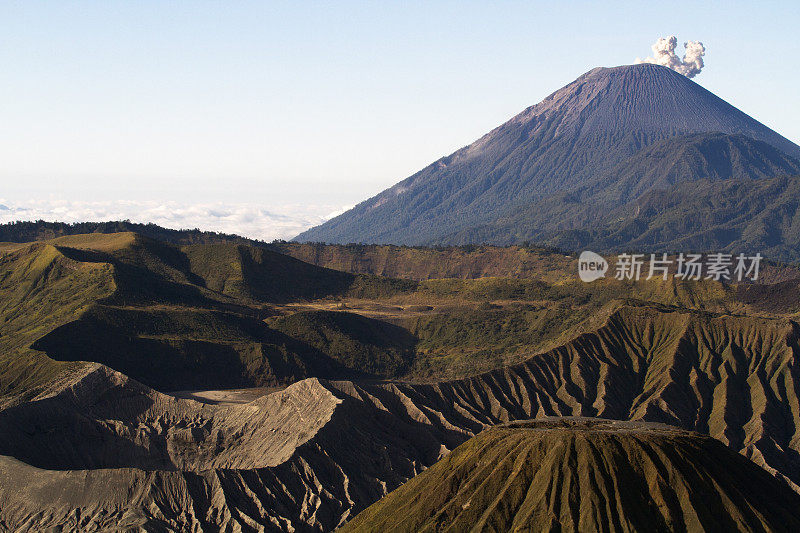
point(664, 54)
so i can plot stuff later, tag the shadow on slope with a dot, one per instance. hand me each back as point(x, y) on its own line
point(145, 308)
point(587, 475)
point(376, 347)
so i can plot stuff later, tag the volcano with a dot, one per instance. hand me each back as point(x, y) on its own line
point(575, 168)
point(582, 474)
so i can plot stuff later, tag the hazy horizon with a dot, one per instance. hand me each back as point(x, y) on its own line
point(265, 120)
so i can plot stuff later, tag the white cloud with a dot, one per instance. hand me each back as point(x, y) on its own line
point(336, 213)
point(247, 220)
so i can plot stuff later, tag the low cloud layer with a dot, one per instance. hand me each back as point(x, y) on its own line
point(664, 54)
point(256, 222)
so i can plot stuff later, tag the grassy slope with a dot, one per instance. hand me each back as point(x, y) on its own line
point(374, 346)
point(575, 478)
point(41, 289)
point(193, 317)
point(169, 317)
point(418, 263)
point(468, 261)
point(714, 358)
point(530, 317)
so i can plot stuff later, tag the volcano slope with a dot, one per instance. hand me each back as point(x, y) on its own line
point(584, 474)
point(574, 169)
point(89, 447)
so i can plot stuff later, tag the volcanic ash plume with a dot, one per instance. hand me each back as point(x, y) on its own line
point(664, 54)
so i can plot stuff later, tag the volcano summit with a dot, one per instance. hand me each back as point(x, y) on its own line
point(578, 168)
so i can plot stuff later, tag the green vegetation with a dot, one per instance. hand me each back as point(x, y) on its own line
point(357, 342)
point(40, 230)
point(421, 263)
point(702, 355)
point(487, 288)
point(586, 475)
point(172, 318)
point(228, 315)
point(534, 317)
point(732, 215)
point(41, 289)
point(261, 275)
point(187, 348)
point(468, 341)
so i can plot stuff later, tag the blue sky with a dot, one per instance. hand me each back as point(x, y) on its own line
point(272, 115)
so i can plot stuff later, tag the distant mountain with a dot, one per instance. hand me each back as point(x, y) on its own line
point(579, 474)
point(39, 230)
point(598, 145)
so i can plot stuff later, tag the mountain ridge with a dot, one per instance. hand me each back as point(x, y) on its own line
point(78, 436)
point(577, 134)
